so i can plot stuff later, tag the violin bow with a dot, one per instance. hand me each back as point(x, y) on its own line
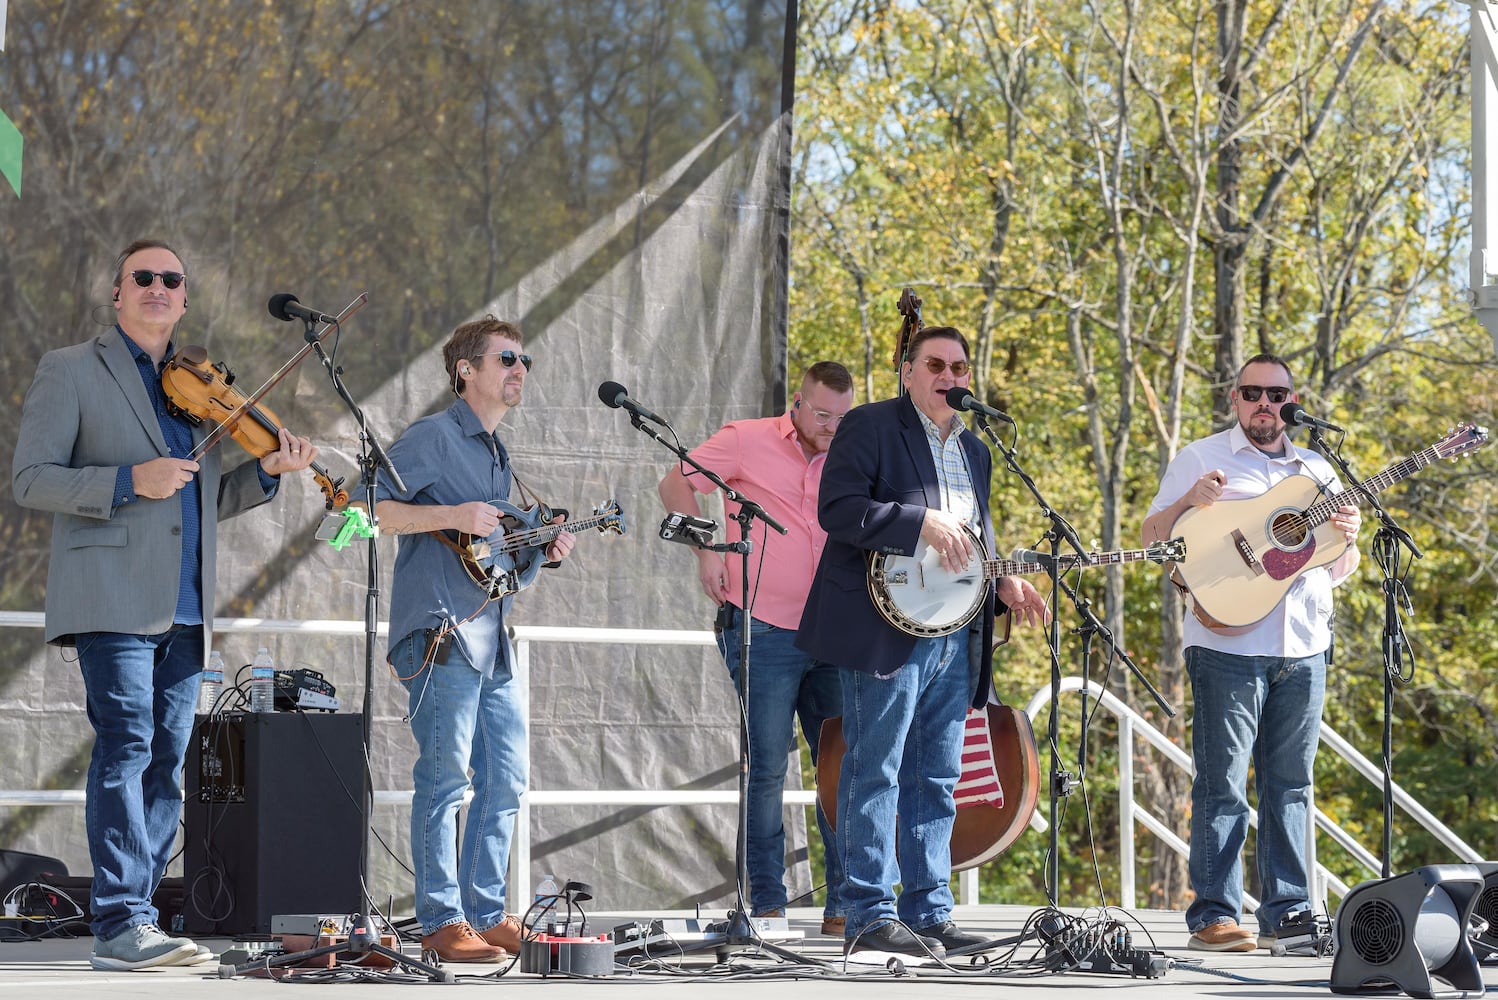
point(217, 434)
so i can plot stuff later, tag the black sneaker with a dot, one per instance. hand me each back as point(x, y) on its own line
point(952, 937)
point(891, 940)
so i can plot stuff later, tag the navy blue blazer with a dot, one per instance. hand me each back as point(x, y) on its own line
point(878, 481)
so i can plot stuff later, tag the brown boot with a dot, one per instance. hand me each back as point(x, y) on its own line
point(508, 934)
point(834, 926)
point(460, 943)
point(1224, 936)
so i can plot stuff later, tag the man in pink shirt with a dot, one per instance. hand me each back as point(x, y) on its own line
point(776, 462)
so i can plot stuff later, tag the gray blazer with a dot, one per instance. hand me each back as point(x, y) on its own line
point(112, 569)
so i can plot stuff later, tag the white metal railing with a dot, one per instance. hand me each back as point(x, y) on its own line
point(525, 636)
point(1132, 727)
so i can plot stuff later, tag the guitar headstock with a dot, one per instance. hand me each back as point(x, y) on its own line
point(611, 517)
point(1163, 551)
point(1460, 440)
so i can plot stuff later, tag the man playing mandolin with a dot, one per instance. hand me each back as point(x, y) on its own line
point(900, 473)
point(1256, 690)
point(131, 578)
point(776, 462)
point(449, 647)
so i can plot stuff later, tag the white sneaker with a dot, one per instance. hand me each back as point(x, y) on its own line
point(140, 946)
point(201, 956)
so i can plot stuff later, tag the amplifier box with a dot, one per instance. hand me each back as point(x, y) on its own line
point(275, 819)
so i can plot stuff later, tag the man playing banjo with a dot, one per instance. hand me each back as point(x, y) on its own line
point(902, 472)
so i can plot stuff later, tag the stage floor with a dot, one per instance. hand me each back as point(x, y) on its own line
point(59, 970)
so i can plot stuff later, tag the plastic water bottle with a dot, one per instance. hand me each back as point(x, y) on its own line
point(262, 682)
point(544, 913)
point(212, 684)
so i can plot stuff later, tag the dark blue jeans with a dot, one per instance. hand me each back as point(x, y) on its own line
point(142, 692)
point(904, 754)
point(784, 684)
point(1264, 709)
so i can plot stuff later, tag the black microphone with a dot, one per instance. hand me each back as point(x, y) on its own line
point(615, 395)
point(1296, 416)
point(284, 305)
point(959, 398)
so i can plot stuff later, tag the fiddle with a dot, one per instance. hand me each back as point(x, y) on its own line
point(199, 389)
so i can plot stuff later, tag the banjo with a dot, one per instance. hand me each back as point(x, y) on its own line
point(919, 596)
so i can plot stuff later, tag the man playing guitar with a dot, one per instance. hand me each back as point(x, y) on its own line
point(1256, 690)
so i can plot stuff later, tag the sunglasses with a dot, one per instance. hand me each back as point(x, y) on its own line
point(506, 358)
point(936, 366)
point(169, 279)
point(1251, 393)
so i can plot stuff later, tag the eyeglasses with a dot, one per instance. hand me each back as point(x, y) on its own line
point(824, 419)
point(507, 358)
point(1251, 393)
point(936, 366)
point(169, 279)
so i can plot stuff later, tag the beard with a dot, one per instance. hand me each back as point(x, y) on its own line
point(1261, 434)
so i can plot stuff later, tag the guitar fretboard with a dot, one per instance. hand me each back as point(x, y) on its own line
point(1451, 446)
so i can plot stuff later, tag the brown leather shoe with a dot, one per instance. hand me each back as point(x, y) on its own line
point(508, 934)
point(460, 943)
point(1226, 936)
point(834, 926)
point(773, 914)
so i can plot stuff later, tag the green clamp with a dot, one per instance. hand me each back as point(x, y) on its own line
point(355, 523)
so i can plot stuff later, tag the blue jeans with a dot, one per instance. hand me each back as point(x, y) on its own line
point(904, 754)
point(142, 691)
point(462, 721)
point(784, 683)
point(1266, 709)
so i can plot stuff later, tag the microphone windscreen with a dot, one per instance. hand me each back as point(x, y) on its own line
point(1290, 413)
point(278, 303)
point(957, 395)
point(611, 393)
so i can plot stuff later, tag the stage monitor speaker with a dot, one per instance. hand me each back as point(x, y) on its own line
point(1486, 941)
point(1409, 932)
point(275, 819)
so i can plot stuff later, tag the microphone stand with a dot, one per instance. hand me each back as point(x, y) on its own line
point(739, 930)
point(1387, 542)
point(371, 457)
point(1061, 781)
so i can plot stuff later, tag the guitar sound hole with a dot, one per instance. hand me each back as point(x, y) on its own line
point(1289, 529)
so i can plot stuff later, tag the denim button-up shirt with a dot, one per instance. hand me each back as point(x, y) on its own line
point(447, 458)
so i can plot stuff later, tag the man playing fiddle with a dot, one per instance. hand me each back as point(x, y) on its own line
point(130, 582)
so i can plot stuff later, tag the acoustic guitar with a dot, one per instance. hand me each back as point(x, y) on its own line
point(1244, 555)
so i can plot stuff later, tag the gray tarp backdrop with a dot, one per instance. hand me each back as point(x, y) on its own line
point(611, 174)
